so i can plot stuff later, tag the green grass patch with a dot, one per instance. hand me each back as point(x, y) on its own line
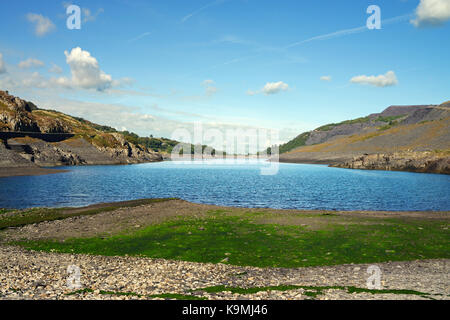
point(330, 126)
point(2, 211)
point(298, 141)
point(36, 215)
point(389, 119)
point(390, 123)
point(134, 294)
point(310, 291)
point(384, 128)
point(241, 241)
point(176, 296)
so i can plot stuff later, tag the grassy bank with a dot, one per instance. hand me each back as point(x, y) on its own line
point(272, 239)
point(18, 218)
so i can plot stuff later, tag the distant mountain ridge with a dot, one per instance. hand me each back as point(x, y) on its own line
point(423, 131)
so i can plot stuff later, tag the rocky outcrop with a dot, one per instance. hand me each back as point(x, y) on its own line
point(13, 102)
point(11, 159)
point(77, 151)
point(15, 114)
point(43, 153)
point(400, 161)
point(132, 153)
point(85, 145)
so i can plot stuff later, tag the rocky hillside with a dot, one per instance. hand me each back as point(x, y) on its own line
point(437, 162)
point(88, 142)
point(413, 138)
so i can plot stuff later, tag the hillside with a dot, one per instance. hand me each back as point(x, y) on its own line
point(414, 138)
point(54, 138)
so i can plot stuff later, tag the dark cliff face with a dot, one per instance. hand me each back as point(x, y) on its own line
point(86, 144)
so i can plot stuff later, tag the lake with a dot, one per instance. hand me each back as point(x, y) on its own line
point(232, 183)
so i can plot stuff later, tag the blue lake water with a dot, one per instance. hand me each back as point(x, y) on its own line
point(295, 186)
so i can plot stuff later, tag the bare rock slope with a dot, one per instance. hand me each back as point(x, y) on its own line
point(411, 138)
point(71, 141)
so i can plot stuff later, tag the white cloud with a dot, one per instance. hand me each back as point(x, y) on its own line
point(20, 80)
point(208, 82)
point(270, 88)
point(86, 13)
point(432, 13)
point(325, 78)
point(42, 25)
point(85, 71)
point(2, 64)
point(55, 69)
point(383, 80)
point(88, 16)
point(31, 80)
point(61, 82)
point(210, 88)
point(274, 87)
point(29, 63)
point(36, 80)
point(210, 91)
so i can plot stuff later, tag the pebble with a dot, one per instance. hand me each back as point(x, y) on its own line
point(43, 275)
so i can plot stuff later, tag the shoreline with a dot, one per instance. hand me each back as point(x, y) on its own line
point(27, 171)
point(333, 164)
point(222, 277)
point(39, 171)
point(134, 202)
point(416, 162)
point(6, 172)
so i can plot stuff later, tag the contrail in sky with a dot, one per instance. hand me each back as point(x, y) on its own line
point(327, 36)
point(145, 34)
point(345, 32)
point(211, 4)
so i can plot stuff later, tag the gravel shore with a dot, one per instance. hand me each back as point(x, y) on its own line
point(41, 275)
point(28, 171)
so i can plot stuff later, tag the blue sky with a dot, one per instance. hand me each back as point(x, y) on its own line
point(152, 66)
